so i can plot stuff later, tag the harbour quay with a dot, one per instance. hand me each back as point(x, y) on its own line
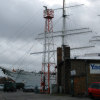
point(19, 95)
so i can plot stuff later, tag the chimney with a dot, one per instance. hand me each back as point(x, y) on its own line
point(66, 52)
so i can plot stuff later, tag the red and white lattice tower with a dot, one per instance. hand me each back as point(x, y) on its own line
point(48, 64)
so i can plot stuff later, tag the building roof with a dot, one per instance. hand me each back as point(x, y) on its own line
point(81, 59)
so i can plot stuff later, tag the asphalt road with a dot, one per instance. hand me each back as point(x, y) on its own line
point(32, 96)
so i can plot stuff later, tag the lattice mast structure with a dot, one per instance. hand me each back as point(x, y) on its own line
point(48, 63)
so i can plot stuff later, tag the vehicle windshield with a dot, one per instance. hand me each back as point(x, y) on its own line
point(1, 85)
point(28, 86)
point(95, 85)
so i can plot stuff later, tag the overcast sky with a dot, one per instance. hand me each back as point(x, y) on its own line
point(22, 20)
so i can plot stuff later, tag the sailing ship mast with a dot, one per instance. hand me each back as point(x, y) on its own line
point(63, 29)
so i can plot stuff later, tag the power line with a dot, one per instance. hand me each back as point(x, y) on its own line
point(23, 56)
point(19, 32)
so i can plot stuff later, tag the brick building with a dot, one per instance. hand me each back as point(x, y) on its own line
point(75, 75)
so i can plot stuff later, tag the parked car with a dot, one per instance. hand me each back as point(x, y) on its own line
point(1, 87)
point(10, 86)
point(94, 90)
point(36, 89)
point(19, 85)
point(28, 88)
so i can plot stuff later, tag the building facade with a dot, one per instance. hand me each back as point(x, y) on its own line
point(75, 75)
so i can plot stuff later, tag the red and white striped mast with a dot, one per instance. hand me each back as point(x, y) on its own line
point(48, 63)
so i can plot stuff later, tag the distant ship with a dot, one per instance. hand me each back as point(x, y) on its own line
point(20, 76)
point(32, 79)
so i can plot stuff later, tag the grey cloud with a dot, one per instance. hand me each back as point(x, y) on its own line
point(22, 20)
point(19, 13)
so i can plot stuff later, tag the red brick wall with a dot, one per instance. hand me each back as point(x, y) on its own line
point(79, 85)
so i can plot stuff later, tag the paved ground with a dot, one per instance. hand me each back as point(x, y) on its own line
point(31, 96)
